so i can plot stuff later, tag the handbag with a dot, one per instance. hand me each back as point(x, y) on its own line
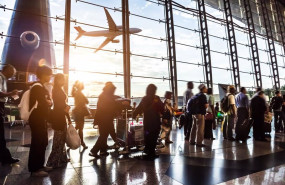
point(72, 138)
point(209, 116)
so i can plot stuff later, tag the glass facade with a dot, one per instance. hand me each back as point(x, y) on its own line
point(149, 63)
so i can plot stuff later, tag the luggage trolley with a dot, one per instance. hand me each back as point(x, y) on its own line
point(129, 135)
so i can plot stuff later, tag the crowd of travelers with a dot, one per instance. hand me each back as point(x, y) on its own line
point(199, 115)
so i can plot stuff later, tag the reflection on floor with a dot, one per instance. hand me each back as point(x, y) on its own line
point(221, 162)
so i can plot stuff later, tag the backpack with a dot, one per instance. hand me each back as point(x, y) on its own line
point(193, 105)
point(225, 104)
point(24, 105)
point(275, 104)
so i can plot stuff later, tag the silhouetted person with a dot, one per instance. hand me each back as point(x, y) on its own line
point(8, 71)
point(107, 110)
point(242, 104)
point(60, 114)
point(80, 109)
point(167, 117)
point(198, 128)
point(152, 107)
point(210, 123)
point(276, 105)
point(38, 122)
point(217, 108)
point(189, 121)
point(231, 115)
point(258, 109)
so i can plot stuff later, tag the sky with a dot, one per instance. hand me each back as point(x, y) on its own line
point(86, 60)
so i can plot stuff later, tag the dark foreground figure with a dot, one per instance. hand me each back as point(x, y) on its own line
point(152, 107)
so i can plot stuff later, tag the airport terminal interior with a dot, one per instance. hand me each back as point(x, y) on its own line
point(133, 43)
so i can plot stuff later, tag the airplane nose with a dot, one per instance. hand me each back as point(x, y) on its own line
point(139, 30)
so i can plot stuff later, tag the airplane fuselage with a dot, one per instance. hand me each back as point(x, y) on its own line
point(108, 33)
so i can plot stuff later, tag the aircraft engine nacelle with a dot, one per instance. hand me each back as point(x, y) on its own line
point(115, 41)
point(30, 40)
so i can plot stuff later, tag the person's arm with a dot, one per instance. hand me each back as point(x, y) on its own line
point(232, 105)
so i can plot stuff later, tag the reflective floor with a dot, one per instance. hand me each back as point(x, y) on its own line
point(221, 162)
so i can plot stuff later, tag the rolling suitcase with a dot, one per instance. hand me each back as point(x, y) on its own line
point(243, 130)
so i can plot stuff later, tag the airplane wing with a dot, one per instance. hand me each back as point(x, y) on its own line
point(104, 43)
point(112, 25)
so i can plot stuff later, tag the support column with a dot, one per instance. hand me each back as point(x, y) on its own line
point(271, 46)
point(126, 48)
point(232, 43)
point(66, 43)
point(205, 42)
point(171, 49)
point(280, 19)
point(253, 43)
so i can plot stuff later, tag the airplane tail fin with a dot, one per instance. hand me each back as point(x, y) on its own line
point(80, 32)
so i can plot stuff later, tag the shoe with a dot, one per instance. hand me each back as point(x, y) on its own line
point(193, 143)
point(186, 138)
point(262, 140)
point(39, 174)
point(10, 161)
point(168, 141)
point(212, 138)
point(104, 153)
point(94, 155)
point(248, 137)
point(46, 169)
point(225, 138)
point(201, 145)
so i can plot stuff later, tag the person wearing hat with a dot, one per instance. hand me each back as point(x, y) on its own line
point(107, 109)
point(197, 131)
point(231, 114)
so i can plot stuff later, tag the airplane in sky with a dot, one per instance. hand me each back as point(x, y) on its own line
point(111, 34)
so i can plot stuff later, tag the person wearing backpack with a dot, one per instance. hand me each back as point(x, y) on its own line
point(167, 118)
point(276, 105)
point(197, 106)
point(39, 96)
point(7, 72)
point(189, 121)
point(229, 107)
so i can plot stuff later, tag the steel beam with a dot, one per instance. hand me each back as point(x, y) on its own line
point(205, 42)
point(280, 20)
point(253, 43)
point(169, 24)
point(271, 46)
point(232, 43)
point(66, 43)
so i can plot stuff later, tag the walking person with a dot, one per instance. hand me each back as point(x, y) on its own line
point(197, 107)
point(38, 122)
point(80, 109)
point(60, 114)
point(258, 109)
point(276, 105)
point(242, 104)
point(210, 118)
point(107, 109)
point(7, 72)
point(151, 107)
point(189, 121)
point(167, 118)
point(231, 114)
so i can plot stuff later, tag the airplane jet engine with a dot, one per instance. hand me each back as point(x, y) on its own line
point(115, 41)
point(30, 40)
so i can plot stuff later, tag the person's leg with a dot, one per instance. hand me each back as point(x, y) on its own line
point(167, 137)
point(255, 128)
point(186, 125)
point(39, 142)
point(261, 128)
point(153, 136)
point(193, 130)
point(189, 128)
point(80, 127)
point(100, 144)
point(5, 154)
point(225, 127)
point(201, 128)
point(208, 133)
point(230, 127)
point(113, 133)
